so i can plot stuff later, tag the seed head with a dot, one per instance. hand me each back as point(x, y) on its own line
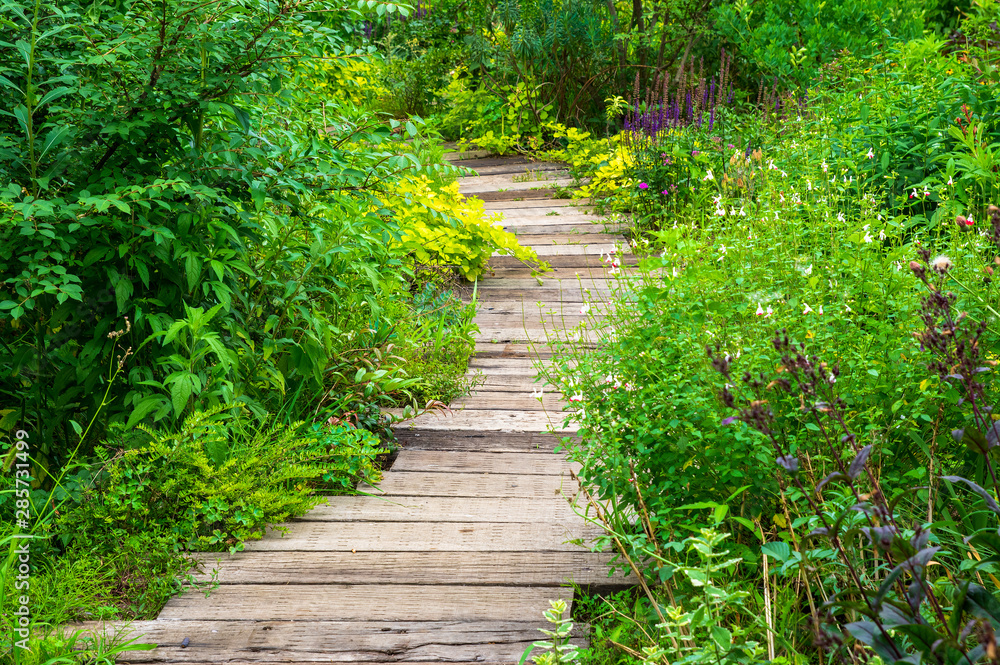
point(941, 264)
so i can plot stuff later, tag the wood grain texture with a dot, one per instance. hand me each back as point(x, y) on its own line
point(508, 463)
point(551, 402)
point(442, 508)
point(365, 602)
point(423, 483)
point(328, 641)
point(532, 568)
point(470, 440)
point(492, 419)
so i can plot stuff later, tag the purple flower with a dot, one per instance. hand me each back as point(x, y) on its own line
point(695, 153)
point(643, 185)
point(664, 192)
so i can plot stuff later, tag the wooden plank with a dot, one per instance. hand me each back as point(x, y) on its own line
point(526, 232)
point(364, 602)
point(492, 419)
point(419, 483)
point(482, 568)
point(578, 263)
point(553, 203)
point(422, 439)
point(520, 168)
point(560, 215)
point(487, 350)
point(510, 400)
point(364, 508)
point(502, 463)
point(531, 308)
point(427, 536)
point(514, 182)
point(398, 642)
point(563, 251)
point(511, 334)
point(571, 295)
point(519, 196)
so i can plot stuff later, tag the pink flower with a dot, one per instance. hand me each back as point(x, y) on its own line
point(643, 185)
point(760, 310)
point(576, 398)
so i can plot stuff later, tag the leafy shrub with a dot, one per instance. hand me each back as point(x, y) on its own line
point(790, 40)
point(444, 228)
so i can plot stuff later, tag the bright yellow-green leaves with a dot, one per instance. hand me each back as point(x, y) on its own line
point(442, 227)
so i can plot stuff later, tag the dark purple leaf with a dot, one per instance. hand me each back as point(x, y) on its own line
point(880, 535)
point(990, 501)
point(788, 463)
point(858, 465)
point(836, 475)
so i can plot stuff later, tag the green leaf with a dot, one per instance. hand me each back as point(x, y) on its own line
point(53, 95)
point(144, 408)
point(55, 137)
point(722, 637)
point(777, 550)
point(258, 196)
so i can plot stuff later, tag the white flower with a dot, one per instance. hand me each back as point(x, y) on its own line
point(769, 312)
point(881, 234)
point(847, 308)
point(537, 394)
point(941, 263)
point(950, 181)
point(809, 185)
point(820, 310)
point(824, 166)
point(709, 176)
point(784, 175)
point(760, 310)
point(868, 237)
point(808, 271)
point(585, 308)
point(870, 155)
point(576, 398)
point(742, 213)
point(808, 309)
point(781, 196)
point(832, 379)
point(840, 216)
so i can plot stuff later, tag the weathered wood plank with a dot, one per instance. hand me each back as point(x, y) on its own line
point(493, 419)
point(509, 463)
point(553, 203)
point(520, 196)
point(418, 483)
point(442, 508)
point(365, 602)
point(480, 401)
point(329, 641)
point(535, 442)
point(483, 568)
point(426, 537)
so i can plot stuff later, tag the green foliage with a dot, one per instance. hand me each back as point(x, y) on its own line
point(444, 228)
point(200, 196)
point(790, 40)
point(556, 650)
point(217, 483)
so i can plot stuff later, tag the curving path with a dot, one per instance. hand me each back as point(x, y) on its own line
point(456, 554)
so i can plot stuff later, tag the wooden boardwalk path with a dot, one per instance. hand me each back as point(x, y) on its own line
point(456, 554)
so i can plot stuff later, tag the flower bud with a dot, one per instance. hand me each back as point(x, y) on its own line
point(917, 269)
point(989, 271)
